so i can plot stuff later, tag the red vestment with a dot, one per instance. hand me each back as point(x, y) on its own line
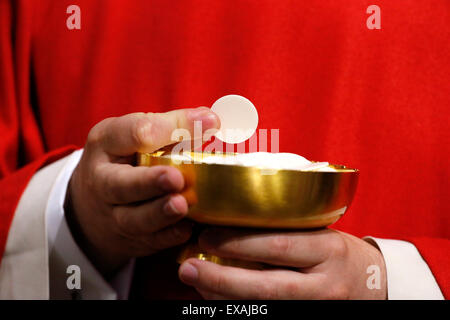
point(376, 100)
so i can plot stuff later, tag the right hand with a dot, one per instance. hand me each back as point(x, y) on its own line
point(117, 211)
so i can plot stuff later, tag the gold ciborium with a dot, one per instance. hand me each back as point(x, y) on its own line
point(233, 195)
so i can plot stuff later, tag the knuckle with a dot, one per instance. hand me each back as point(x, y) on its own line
point(115, 186)
point(219, 283)
point(112, 190)
point(338, 247)
point(339, 291)
point(96, 134)
point(90, 180)
point(280, 246)
point(266, 291)
point(95, 177)
point(140, 130)
point(228, 245)
point(292, 290)
point(169, 238)
point(119, 216)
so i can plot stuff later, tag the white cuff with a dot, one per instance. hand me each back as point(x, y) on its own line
point(64, 252)
point(24, 271)
point(408, 275)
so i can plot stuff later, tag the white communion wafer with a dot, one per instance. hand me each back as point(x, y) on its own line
point(179, 158)
point(219, 159)
point(287, 161)
point(317, 166)
point(266, 160)
point(238, 118)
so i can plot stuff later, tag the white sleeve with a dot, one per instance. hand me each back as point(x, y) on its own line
point(408, 275)
point(64, 252)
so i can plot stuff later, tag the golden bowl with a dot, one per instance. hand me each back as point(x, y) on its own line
point(232, 195)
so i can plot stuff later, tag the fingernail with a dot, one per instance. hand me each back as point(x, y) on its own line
point(208, 118)
point(171, 208)
point(188, 273)
point(197, 113)
point(176, 205)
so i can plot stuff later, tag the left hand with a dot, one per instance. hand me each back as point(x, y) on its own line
point(322, 264)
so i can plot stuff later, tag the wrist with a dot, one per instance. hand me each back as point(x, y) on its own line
point(378, 260)
point(90, 241)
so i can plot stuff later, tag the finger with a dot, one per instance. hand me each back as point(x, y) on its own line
point(123, 183)
point(207, 295)
point(171, 236)
point(237, 283)
point(147, 132)
point(293, 249)
point(150, 216)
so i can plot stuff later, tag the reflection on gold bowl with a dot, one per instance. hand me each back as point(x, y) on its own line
point(232, 195)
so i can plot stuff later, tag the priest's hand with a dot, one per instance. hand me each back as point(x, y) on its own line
point(117, 211)
point(322, 264)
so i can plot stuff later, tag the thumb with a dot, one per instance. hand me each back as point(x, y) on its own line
point(148, 132)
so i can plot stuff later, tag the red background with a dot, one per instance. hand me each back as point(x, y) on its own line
point(376, 100)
